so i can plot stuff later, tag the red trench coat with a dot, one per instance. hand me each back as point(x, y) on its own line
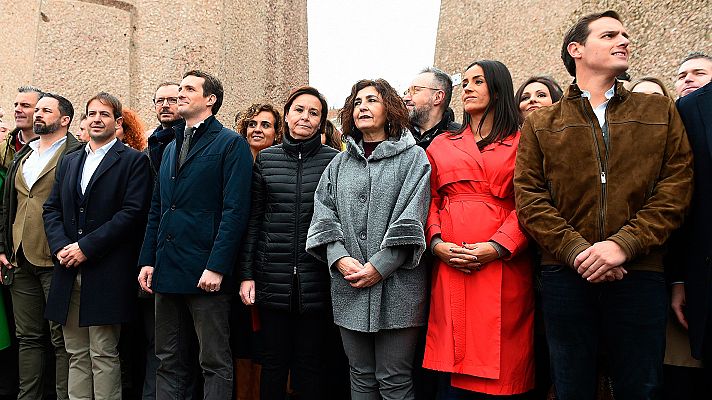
point(481, 325)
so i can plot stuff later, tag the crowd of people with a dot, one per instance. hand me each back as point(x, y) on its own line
point(553, 245)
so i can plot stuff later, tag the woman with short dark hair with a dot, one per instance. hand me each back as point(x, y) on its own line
point(369, 213)
point(480, 329)
point(289, 286)
point(261, 125)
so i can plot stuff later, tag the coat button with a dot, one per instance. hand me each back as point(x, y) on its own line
point(30, 196)
point(173, 178)
point(362, 198)
point(708, 260)
point(362, 235)
point(173, 207)
point(169, 238)
point(80, 231)
point(81, 210)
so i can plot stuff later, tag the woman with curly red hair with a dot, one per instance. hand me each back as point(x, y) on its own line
point(131, 131)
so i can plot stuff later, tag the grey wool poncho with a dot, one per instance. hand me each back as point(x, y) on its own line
point(375, 207)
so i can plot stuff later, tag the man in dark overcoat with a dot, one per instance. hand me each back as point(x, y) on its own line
point(199, 214)
point(692, 298)
point(94, 221)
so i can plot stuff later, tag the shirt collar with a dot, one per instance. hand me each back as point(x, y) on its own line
point(101, 150)
point(609, 93)
point(35, 144)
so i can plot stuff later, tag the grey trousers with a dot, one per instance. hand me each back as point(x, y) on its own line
point(381, 363)
point(29, 293)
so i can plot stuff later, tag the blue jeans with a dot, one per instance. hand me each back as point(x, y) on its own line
point(627, 318)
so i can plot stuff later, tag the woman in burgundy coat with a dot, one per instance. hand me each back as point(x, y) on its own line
point(480, 329)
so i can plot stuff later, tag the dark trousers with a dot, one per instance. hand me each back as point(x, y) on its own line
point(148, 313)
point(626, 317)
point(295, 343)
point(207, 315)
point(29, 293)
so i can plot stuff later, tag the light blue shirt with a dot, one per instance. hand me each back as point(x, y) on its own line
point(36, 162)
point(92, 162)
point(600, 111)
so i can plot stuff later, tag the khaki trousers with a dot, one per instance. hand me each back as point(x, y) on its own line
point(94, 367)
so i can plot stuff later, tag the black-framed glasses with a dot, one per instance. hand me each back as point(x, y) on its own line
point(161, 100)
point(415, 89)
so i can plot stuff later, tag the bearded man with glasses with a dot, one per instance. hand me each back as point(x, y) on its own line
point(428, 103)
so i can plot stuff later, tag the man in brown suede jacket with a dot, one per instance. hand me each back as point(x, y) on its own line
point(602, 179)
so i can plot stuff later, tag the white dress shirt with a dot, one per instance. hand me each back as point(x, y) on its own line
point(92, 162)
point(600, 111)
point(36, 162)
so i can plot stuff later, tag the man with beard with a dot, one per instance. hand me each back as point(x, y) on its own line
point(25, 101)
point(94, 219)
point(428, 101)
point(166, 106)
point(23, 244)
point(165, 103)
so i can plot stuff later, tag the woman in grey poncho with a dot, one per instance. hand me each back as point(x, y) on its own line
point(369, 212)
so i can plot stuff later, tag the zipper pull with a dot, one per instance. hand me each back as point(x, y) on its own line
point(300, 155)
point(603, 176)
point(295, 270)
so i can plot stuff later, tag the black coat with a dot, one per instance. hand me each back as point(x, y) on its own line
point(199, 212)
point(695, 246)
point(284, 179)
point(108, 222)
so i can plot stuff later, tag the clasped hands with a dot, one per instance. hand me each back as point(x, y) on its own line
point(359, 275)
point(71, 255)
point(209, 281)
point(466, 258)
point(601, 262)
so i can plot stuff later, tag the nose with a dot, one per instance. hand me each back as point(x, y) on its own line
point(407, 96)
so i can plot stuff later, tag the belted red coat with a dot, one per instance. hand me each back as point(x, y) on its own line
point(480, 326)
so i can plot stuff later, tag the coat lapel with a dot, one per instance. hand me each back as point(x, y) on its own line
point(52, 163)
point(205, 139)
point(111, 157)
point(468, 145)
point(705, 110)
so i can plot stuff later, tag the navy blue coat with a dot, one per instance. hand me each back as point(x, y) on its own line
point(200, 212)
point(108, 223)
point(695, 250)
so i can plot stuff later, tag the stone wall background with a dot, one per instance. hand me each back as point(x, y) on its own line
point(526, 35)
point(77, 48)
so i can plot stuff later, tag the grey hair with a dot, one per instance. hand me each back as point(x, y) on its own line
point(443, 80)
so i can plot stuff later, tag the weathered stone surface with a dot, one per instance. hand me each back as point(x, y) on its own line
point(76, 48)
point(526, 35)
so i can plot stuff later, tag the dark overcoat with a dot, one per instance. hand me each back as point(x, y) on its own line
point(199, 212)
point(108, 223)
point(695, 246)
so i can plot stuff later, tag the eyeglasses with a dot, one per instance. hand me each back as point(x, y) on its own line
point(415, 89)
point(171, 101)
point(253, 124)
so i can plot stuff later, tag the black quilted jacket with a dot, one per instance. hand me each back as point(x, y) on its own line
point(284, 179)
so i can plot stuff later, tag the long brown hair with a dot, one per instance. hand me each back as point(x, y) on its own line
point(396, 113)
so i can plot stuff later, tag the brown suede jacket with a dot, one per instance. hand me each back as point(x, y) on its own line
point(574, 187)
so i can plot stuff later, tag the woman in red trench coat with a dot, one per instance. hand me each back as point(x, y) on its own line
point(480, 328)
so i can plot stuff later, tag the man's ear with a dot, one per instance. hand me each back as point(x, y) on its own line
point(574, 49)
point(211, 100)
point(64, 120)
point(439, 97)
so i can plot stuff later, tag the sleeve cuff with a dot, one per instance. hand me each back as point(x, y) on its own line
point(387, 260)
point(335, 251)
point(436, 240)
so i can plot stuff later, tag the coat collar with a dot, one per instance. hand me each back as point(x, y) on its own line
point(111, 157)
point(574, 92)
point(389, 148)
point(306, 147)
